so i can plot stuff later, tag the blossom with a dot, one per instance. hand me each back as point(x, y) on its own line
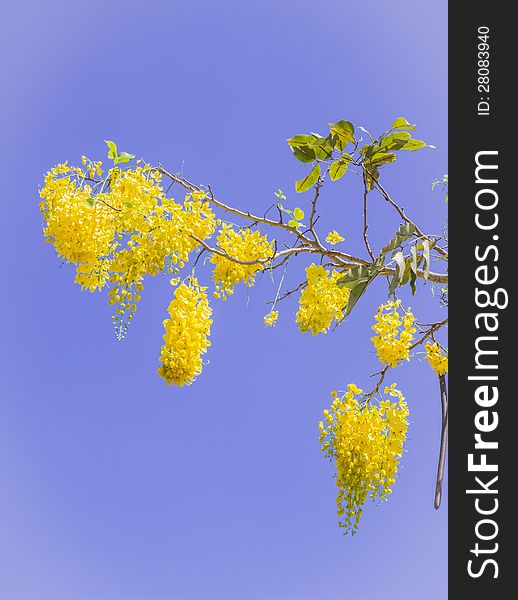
point(120, 230)
point(321, 301)
point(395, 333)
point(186, 336)
point(244, 245)
point(271, 318)
point(365, 442)
point(333, 237)
point(438, 361)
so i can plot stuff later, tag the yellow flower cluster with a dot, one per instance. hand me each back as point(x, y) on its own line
point(271, 318)
point(321, 300)
point(186, 334)
point(333, 237)
point(365, 443)
point(120, 228)
point(244, 245)
point(81, 231)
point(394, 333)
point(438, 361)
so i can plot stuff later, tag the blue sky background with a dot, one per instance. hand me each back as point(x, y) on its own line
point(116, 487)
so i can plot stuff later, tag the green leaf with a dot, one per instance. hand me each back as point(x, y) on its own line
point(413, 145)
point(413, 279)
point(302, 140)
point(354, 276)
point(393, 284)
point(357, 279)
point(304, 153)
point(117, 157)
point(324, 150)
point(370, 150)
point(402, 123)
point(309, 180)
point(395, 141)
point(372, 174)
point(406, 276)
point(342, 132)
point(90, 201)
point(413, 269)
point(286, 210)
point(123, 157)
point(383, 158)
point(320, 140)
point(298, 213)
point(404, 232)
point(293, 223)
point(339, 167)
point(344, 129)
point(112, 149)
point(354, 296)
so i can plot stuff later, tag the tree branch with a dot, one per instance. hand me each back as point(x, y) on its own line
point(365, 224)
point(401, 212)
point(429, 332)
point(341, 259)
point(444, 442)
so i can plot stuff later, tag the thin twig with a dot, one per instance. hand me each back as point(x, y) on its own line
point(429, 332)
point(378, 385)
point(401, 211)
point(258, 261)
point(365, 224)
point(198, 258)
point(293, 291)
point(340, 258)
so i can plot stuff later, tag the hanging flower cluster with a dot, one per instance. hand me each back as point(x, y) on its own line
point(438, 361)
point(395, 333)
point(120, 229)
point(118, 226)
point(246, 246)
point(186, 336)
point(82, 232)
point(365, 443)
point(321, 301)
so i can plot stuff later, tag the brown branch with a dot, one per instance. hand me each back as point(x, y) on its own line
point(191, 187)
point(365, 224)
point(378, 385)
point(401, 211)
point(429, 332)
point(287, 294)
point(312, 220)
point(108, 205)
point(340, 258)
point(444, 442)
point(258, 261)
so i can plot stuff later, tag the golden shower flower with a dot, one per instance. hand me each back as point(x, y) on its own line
point(365, 442)
point(321, 301)
point(438, 361)
point(333, 237)
point(244, 245)
point(395, 333)
point(187, 333)
point(271, 318)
